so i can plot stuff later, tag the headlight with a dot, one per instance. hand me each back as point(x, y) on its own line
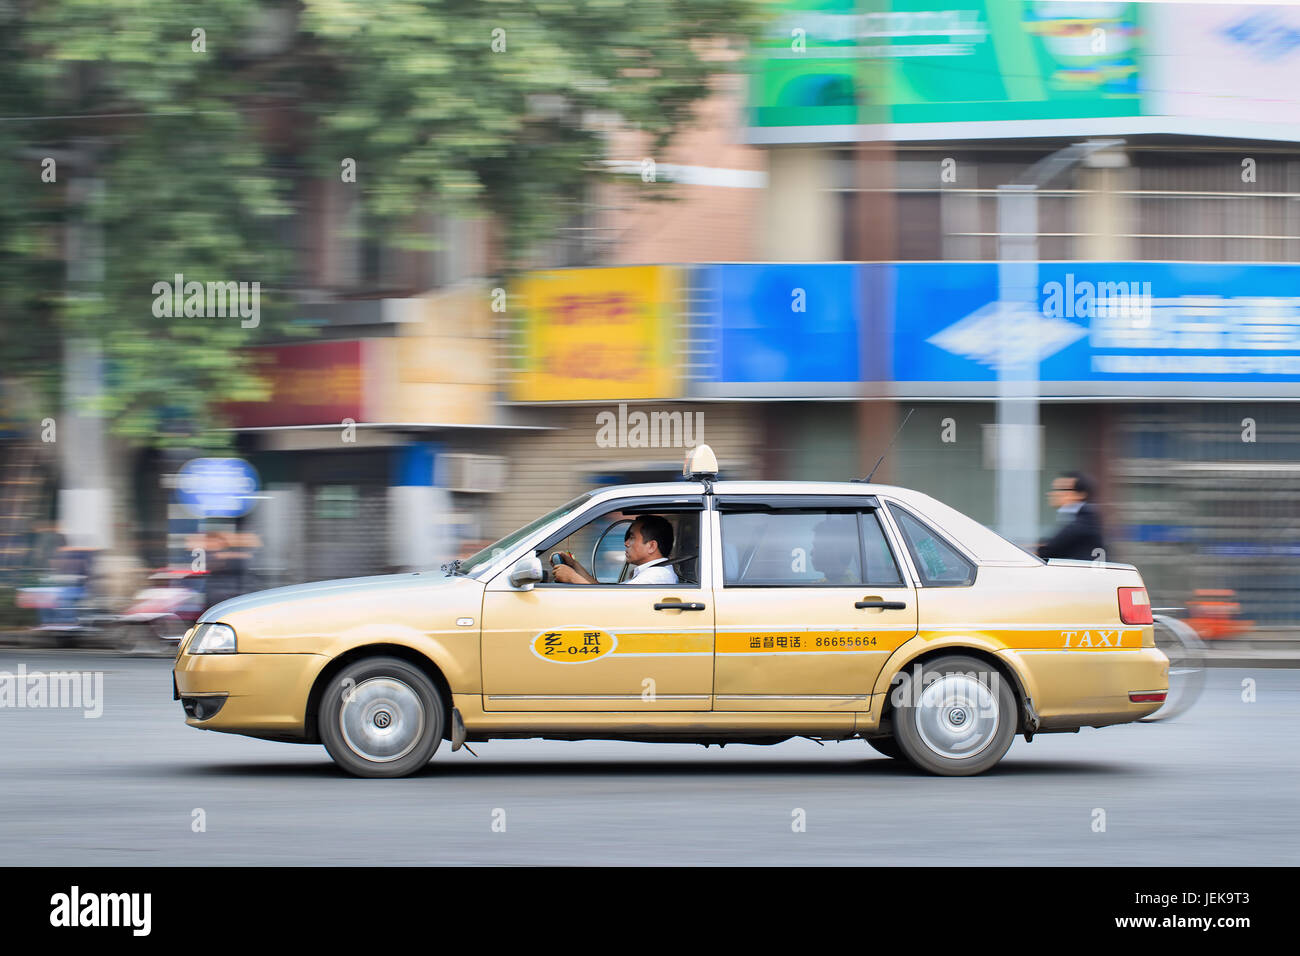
point(212, 639)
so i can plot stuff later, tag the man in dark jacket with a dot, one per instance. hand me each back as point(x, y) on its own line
point(1079, 533)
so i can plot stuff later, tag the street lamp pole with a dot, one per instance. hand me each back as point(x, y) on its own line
point(1017, 439)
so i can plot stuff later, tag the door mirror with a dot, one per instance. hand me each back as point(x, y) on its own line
point(526, 572)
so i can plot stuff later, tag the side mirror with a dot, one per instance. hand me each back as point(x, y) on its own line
point(526, 572)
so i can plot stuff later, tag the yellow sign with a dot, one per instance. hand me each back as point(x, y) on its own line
point(573, 647)
point(598, 334)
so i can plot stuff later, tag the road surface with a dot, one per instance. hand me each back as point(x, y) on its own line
point(1216, 786)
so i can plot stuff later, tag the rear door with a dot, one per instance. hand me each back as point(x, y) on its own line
point(810, 602)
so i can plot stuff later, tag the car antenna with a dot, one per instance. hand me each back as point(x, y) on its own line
point(891, 445)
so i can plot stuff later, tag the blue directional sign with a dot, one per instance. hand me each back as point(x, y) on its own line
point(1176, 329)
point(217, 487)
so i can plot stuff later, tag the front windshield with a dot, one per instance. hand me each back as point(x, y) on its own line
point(481, 560)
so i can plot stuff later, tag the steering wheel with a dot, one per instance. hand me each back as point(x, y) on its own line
point(548, 576)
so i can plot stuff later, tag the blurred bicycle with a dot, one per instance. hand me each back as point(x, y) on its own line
point(1186, 653)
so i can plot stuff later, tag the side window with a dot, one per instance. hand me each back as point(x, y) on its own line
point(791, 548)
point(882, 569)
point(598, 544)
point(937, 561)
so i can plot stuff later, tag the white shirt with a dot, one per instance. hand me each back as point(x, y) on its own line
point(1067, 512)
point(653, 572)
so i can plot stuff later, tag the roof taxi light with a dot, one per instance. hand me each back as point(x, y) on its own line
point(700, 463)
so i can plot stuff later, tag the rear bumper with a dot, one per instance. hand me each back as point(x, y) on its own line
point(263, 693)
point(1087, 688)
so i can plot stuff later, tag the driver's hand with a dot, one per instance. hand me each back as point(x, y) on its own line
point(566, 575)
point(568, 558)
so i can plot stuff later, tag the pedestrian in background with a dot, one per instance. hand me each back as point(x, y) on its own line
point(228, 568)
point(1078, 535)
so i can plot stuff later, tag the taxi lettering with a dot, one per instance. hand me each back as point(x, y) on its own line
point(1087, 638)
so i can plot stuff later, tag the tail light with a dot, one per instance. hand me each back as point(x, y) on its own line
point(1151, 697)
point(1134, 606)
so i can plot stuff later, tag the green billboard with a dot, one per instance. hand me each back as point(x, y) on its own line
point(841, 63)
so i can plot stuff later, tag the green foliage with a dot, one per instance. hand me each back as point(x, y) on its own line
point(197, 158)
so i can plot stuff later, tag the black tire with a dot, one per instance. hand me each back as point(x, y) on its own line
point(887, 746)
point(960, 721)
point(381, 717)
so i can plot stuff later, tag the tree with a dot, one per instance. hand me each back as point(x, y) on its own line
point(180, 134)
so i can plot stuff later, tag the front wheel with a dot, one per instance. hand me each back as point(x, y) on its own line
point(381, 717)
point(958, 719)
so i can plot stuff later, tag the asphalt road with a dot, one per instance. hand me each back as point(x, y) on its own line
point(1216, 786)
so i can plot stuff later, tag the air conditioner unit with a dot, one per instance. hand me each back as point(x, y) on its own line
point(472, 473)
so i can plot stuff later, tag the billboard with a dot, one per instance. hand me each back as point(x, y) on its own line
point(828, 69)
point(597, 334)
point(312, 383)
point(845, 71)
point(1239, 62)
point(778, 329)
point(1106, 329)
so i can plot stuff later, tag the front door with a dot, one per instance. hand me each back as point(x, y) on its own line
point(605, 646)
point(810, 603)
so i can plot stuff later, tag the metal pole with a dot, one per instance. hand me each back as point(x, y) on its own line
point(1018, 451)
point(1019, 444)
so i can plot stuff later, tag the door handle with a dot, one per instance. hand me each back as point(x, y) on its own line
point(679, 606)
point(886, 605)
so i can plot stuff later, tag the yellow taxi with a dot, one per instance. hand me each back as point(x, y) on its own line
point(697, 611)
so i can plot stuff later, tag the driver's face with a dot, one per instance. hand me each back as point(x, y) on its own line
point(638, 550)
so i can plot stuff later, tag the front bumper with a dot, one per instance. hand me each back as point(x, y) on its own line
point(263, 693)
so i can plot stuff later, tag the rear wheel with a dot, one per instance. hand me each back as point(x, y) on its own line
point(381, 717)
point(958, 720)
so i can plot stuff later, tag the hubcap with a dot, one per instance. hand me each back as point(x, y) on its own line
point(957, 716)
point(382, 719)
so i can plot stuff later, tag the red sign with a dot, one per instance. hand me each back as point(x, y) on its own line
point(315, 383)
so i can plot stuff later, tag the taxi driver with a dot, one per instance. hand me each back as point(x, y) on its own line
point(648, 545)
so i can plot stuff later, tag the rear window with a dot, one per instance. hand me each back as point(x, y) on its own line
point(805, 547)
point(937, 562)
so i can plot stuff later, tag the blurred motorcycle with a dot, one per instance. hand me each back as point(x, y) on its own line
point(159, 615)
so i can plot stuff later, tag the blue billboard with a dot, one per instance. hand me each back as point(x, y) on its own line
point(1142, 329)
point(778, 328)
